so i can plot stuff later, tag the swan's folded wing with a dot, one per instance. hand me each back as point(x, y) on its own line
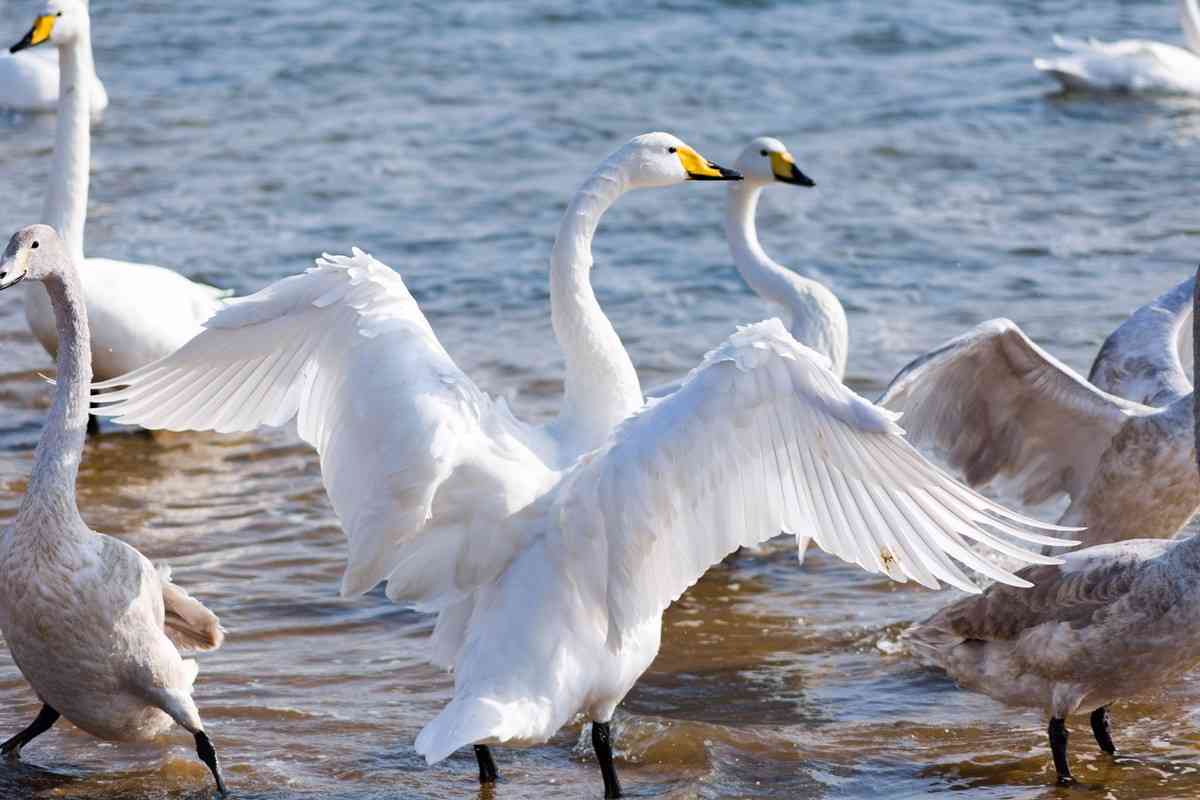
point(997, 405)
point(189, 625)
point(1075, 593)
point(1139, 361)
point(415, 458)
point(762, 437)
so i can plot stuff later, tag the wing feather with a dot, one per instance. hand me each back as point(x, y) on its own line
point(1139, 361)
point(416, 459)
point(997, 406)
point(762, 437)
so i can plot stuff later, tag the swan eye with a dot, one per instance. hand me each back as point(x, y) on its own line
point(764, 152)
point(59, 14)
point(34, 246)
point(672, 149)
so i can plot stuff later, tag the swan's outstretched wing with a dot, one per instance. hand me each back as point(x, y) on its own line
point(1139, 361)
point(997, 405)
point(415, 458)
point(762, 437)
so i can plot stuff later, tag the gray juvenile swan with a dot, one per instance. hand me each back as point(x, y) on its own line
point(94, 627)
point(1111, 622)
point(1000, 407)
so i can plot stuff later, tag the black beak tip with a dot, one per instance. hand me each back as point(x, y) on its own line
point(729, 174)
point(801, 179)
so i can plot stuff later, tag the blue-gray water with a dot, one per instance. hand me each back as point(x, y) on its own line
point(954, 185)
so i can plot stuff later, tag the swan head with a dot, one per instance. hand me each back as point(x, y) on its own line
point(766, 160)
point(60, 22)
point(660, 159)
point(34, 252)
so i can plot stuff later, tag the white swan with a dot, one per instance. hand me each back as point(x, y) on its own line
point(551, 552)
point(810, 310)
point(29, 82)
point(138, 312)
point(1113, 622)
point(95, 628)
point(1003, 409)
point(1131, 65)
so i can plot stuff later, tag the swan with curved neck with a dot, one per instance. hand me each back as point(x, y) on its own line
point(95, 628)
point(550, 552)
point(813, 313)
point(138, 312)
point(1131, 65)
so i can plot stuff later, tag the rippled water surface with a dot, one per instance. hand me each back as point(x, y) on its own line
point(954, 186)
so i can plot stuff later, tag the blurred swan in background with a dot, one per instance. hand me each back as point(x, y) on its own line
point(29, 82)
point(1112, 622)
point(1131, 65)
point(94, 627)
point(550, 552)
point(1002, 409)
point(138, 312)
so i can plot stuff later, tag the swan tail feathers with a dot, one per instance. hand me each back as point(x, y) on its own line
point(461, 723)
point(477, 720)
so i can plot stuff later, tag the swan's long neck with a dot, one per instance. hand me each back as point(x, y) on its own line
point(1189, 17)
point(817, 317)
point(56, 460)
point(66, 203)
point(601, 386)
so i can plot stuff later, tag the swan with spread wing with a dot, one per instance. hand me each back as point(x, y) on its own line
point(1004, 411)
point(550, 552)
point(1112, 622)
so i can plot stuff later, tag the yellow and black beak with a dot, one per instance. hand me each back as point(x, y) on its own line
point(699, 168)
point(785, 170)
point(40, 32)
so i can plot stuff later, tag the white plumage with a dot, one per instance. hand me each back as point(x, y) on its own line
point(811, 311)
point(550, 552)
point(1130, 65)
point(29, 82)
point(138, 312)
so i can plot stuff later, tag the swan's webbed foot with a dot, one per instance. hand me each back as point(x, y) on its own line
point(42, 723)
point(204, 749)
point(93, 426)
point(1100, 728)
point(487, 766)
point(1058, 748)
point(602, 743)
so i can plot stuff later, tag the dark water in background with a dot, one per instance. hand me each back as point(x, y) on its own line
point(445, 138)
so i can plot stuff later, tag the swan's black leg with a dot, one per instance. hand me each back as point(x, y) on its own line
point(208, 755)
point(1100, 728)
point(45, 718)
point(1058, 748)
point(93, 426)
point(487, 767)
point(602, 743)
